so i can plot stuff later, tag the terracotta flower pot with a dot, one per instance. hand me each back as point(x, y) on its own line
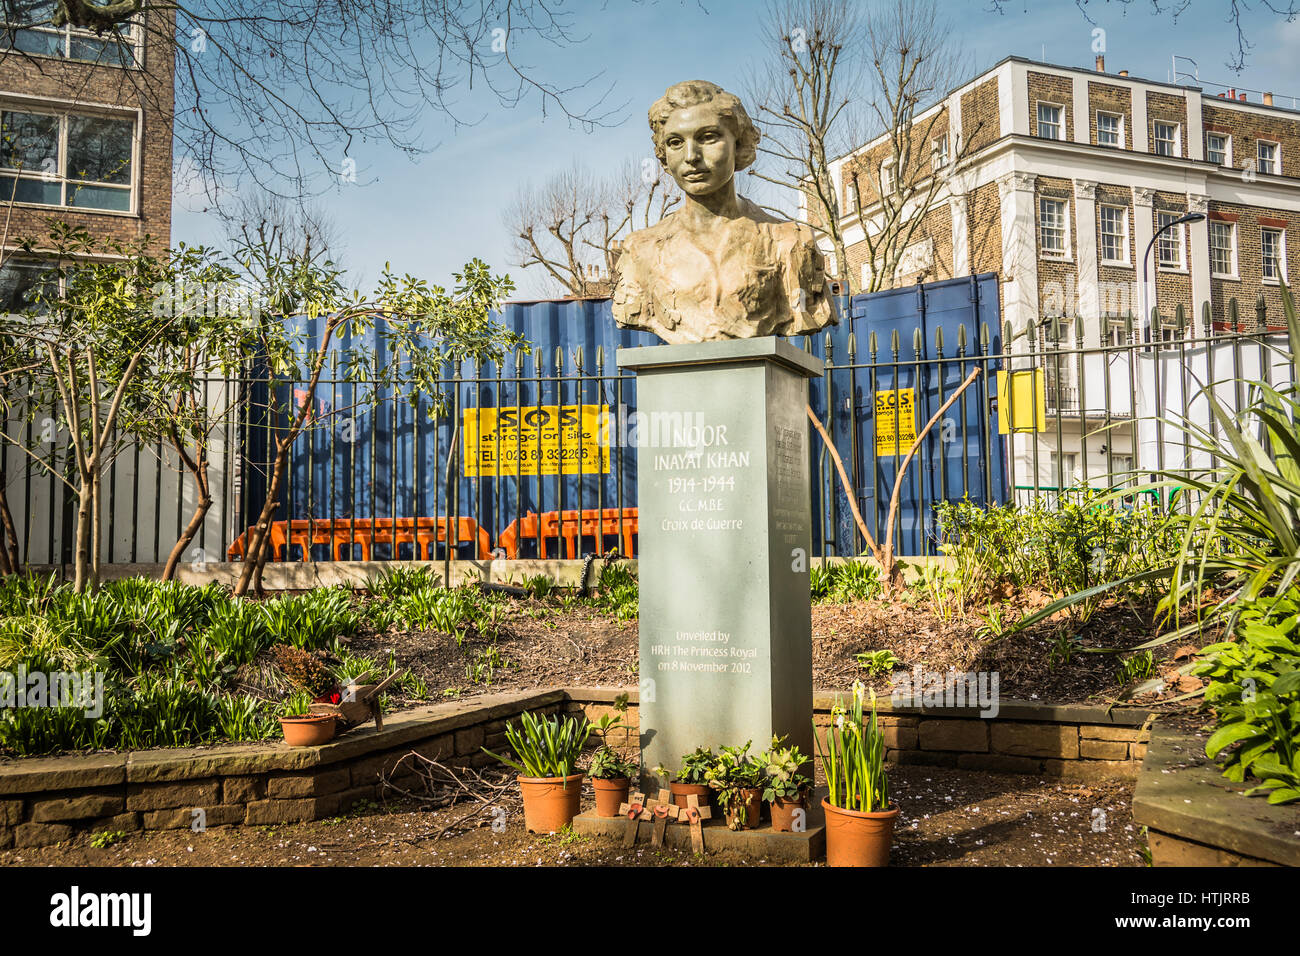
point(550, 803)
point(854, 838)
point(309, 730)
point(783, 814)
point(680, 791)
point(746, 809)
point(610, 794)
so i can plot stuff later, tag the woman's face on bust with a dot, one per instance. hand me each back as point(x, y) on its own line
point(699, 150)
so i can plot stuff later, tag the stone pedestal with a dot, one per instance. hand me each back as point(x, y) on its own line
point(725, 532)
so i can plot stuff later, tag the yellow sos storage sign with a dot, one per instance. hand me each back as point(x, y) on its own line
point(536, 440)
point(895, 421)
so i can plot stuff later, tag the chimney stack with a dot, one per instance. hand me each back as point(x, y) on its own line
point(1241, 97)
point(1101, 63)
point(1123, 72)
point(1268, 99)
point(1232, 94)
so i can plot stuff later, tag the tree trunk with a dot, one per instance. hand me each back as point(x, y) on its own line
point(198, 467)
point(81, 556)
point(254, 558)
point(256, 555)
point(96, 499)
point(9, 562)
point(191, 529)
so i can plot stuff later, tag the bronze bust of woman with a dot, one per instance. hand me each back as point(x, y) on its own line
point(719, 267)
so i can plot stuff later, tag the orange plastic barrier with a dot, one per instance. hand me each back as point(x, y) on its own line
point(589, 522)
point(341, 533)
point(278, 543)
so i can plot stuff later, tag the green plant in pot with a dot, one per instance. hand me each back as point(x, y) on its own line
point(737, 777)
point(859, 813)
point(610, 772)
point(692, 778)
point(547, 751)
point(785, 786)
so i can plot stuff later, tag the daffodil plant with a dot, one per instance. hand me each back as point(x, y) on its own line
point(854, 756)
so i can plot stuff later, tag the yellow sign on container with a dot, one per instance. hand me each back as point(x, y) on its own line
point(895, 408)
point(536, 440)
point(1023, 404)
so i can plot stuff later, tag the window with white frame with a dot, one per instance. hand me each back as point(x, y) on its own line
point(1049, 121)
point(1120, 331)
point(1217, 148)
point(1110, 130)
point(1168, 330)
point(1165, 137)
point(1052, 228)
point(939, 152)
point(854, 204)
point(1272, 247)
point(1169, 248)
point(1114, 234)
point(1223, 249)
point(67, 159)
point(26, 26)
point(1266, 157)
point(888, 182)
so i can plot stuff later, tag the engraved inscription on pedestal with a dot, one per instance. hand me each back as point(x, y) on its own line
point(723, 502)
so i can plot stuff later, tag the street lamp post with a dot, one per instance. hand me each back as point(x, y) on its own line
point(1146, 308)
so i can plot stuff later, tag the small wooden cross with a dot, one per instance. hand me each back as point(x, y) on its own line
point(635, 810)
point(694, 814)
point(662, 809)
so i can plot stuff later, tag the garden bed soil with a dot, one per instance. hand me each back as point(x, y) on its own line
point(543, 644)
point(949, 818)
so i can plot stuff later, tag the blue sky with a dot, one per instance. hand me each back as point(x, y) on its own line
point(430, 216)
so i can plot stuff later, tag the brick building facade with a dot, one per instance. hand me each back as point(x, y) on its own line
point(1068, 175)
point(85, 133)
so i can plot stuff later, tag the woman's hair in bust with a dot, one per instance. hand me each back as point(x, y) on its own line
point(680, 96)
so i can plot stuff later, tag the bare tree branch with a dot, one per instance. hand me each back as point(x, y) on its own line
point(571, 226)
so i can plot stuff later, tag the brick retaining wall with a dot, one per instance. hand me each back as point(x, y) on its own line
point(1074, 741)
point(48, 800)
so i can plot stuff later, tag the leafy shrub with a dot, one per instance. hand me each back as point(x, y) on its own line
point(539, 586)
point(166, 652)
point(844, 582)
point(31, 731)
point(1255, 690)
point(608, 764)
point(1061, 547)
point(28, 593)
point(313, 621)
point(1139, 667)
point(294, 705)
point(164, 711)
point(243, 718)
point(545, 746)
point(240, 630)
point(485, 664)
point(38, 644)
point(940, 586)
point(618, 592)
point(878, 662)
point(399, 582)
point(1235, 567)
point(695, 767)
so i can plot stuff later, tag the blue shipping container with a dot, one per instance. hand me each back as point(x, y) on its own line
point(389, 458)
